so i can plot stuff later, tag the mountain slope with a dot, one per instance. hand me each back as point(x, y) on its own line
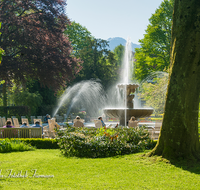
point(114, 42)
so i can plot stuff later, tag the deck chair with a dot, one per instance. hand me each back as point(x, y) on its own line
point(98, 123)
point(3, 121)
point(1, 124)
point(9, 119)
point(34, 120)
point(78, 123)
point(51, 131)
point(156, 130)
point(45, 131)
point(133, 124)
point(16, 122)
point(25, 120)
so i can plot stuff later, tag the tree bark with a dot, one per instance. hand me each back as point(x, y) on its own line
point(179, 133)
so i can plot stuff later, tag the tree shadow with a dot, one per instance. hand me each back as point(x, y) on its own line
point(192, 166)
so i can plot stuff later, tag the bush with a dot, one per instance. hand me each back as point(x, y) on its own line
point(97, 143)
point(41, 143)
point(8, 145)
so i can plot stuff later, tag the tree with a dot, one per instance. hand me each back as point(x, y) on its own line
point(154, 54)
point(78, 36)
point(22, 97)
point(119, 53)
point(154, 92)
point(34, 44)
point(179, 133)
point(1, 50)
point(98, 62)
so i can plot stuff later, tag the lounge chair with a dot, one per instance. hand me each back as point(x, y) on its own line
point(98, 123)
point(9, 119)
point(78, 123)
point(132, 123)
point(25, 120)
point(16, 122)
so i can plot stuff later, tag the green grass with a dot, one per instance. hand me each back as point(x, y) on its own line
point(123, 172)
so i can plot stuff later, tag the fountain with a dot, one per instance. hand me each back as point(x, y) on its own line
point(129, 110)
point(91, 96)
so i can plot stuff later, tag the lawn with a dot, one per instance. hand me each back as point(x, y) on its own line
point(54, 171)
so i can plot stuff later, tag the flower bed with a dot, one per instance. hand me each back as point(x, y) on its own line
point(96, 143)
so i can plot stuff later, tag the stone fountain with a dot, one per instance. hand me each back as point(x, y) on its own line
point(124, 114)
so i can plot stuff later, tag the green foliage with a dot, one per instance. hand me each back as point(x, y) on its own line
point(12, 145)
point(78, 36)
point(154, 54)
point(1, 54)
point(97, 61)
point(21, 96)
point(1, 50)
point(17, 111)
point(154, 93)
point(119, 53)
point(41, 143)
point(96, 143)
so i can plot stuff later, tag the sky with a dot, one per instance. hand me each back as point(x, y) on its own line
point(113, 18)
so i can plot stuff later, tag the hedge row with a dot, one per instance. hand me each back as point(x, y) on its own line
point(41, 143)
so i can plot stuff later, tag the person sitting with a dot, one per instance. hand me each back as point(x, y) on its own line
point(103, 124)
point(8, 125)
point(46, 118)
point(78, 122)
point(37, 124)
point(132, 122)
point(24, 125)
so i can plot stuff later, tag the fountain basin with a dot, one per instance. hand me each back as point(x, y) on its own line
point(120, 113)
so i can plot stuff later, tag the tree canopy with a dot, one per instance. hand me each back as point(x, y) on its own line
point(154, 54)
point(97, 61)
point(34, 44)
point(78, 36)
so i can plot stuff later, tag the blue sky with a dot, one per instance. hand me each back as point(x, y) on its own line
point(113, 18)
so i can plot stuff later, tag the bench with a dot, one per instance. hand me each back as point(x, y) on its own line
point(156, 130)
point(21, 132)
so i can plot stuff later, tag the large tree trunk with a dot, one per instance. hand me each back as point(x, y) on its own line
point(179, 133)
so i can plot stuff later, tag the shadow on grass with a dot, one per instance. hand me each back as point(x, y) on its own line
point(189, 165)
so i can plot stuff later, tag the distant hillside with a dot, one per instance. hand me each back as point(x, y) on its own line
point(114, 42)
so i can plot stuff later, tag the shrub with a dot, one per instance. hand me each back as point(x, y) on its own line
point(96, 143)
point(41, 143)
point(8, 145)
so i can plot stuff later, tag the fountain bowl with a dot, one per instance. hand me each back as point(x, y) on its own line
point(120, 113)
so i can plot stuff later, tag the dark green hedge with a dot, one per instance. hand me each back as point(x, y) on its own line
point(41, 143)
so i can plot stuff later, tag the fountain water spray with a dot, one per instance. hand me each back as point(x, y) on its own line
point(88, 94)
